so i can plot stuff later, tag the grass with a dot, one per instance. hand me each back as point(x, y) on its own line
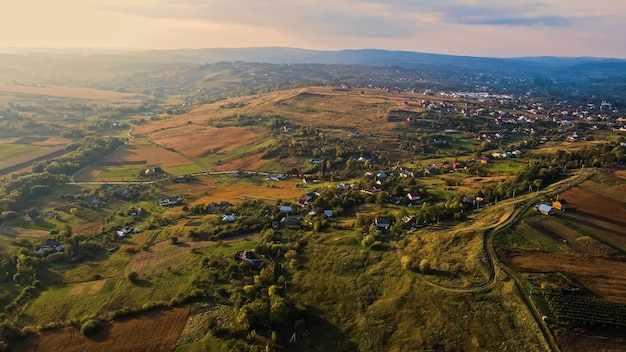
point(377, 306)
point(184, 169)
point(523, 236)
point(11, 151)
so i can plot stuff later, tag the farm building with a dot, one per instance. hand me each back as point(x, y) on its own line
point(382, 223)
point(560, 204)
point(291, 223)
point(414, 196)
point(546, 209)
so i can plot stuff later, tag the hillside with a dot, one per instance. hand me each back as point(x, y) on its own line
point(241, 208)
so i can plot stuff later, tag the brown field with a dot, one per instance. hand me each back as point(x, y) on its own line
point(579, 243)
point(603, 275)
point(199, 141)
point(249, 162)
point(71, 92)
point(165, 256)
point(581, 340)
point(153, 331)
point(19, 232)
point(89, 228)
point(589, 202)
point(146, 153)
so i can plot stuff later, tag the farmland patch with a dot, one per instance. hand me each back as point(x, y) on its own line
point(604, 276)
point(152, 331)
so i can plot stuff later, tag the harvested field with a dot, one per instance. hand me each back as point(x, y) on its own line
point(198, 141)
point(235, 192)
point(581, 244)
point(604, 276)
point(145, 153)
point(89, 229)
point(250, 162)
point(589, 202)
point(586, 340)
point(24, 233)
point(71, 92)
point(152, 331)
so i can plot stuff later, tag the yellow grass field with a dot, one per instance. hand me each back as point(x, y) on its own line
point(238, 191)
point(104, 96)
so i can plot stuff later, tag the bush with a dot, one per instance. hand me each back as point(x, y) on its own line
point(89, 327)
point(132, 275)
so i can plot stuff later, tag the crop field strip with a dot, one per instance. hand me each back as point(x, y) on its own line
point(580, 309)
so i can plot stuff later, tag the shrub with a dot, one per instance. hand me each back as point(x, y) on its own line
point(132, 275)
point(89, 327)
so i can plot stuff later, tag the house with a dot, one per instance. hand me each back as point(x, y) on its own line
point(546, 209)
point(291, 223)
point(32, 216)
point(134, 211)
point(123, 232)
point(276, 177)
point(328, 213)
point(382, 223)
point(560, 204)
point(50, 246)
point(51, 214)
point(249, 257)
point(285, 207)
point(308, 180)
point(413, 196)
point(168, 201)
point(377, 188)
point(91, 202)
point(229, 218)
point(157, 171)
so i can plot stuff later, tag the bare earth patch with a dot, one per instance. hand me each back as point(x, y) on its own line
point(77, 289)
point(96, 287)
point(153, 331)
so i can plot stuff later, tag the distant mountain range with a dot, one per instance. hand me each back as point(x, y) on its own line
point(528, 66)
point(550, 66)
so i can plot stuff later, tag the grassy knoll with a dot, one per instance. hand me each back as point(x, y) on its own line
point(382, 306)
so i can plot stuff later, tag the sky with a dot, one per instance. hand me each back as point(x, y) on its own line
point(491, 28)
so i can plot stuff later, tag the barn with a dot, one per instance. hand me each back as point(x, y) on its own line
point(546, 209)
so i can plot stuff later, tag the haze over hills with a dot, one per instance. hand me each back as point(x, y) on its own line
point(523, 66)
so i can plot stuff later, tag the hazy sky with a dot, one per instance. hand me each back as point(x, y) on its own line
point(463, 27)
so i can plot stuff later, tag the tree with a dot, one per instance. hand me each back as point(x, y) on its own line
point(132, 275)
